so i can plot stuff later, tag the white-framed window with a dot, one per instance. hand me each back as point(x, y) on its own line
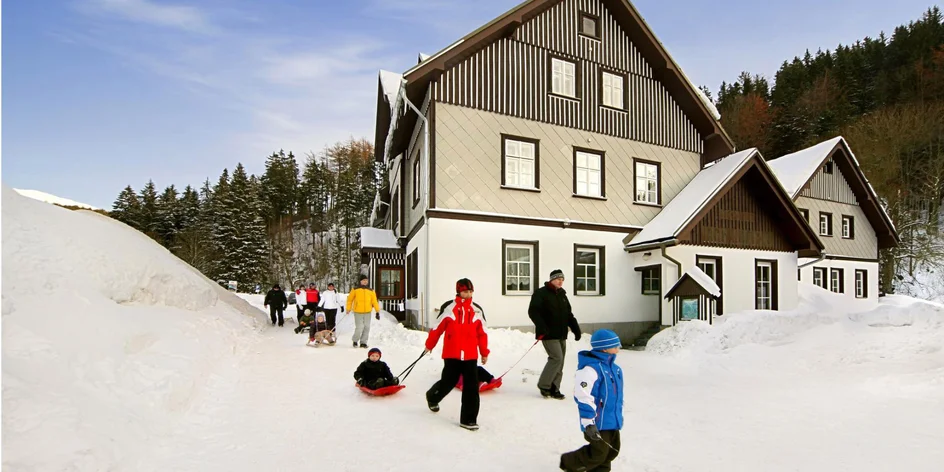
point(848, 227)
point(651, 280)
point(647, 182)
point(835, 281)
point(861, 284)
point(588, 174)
point(563, 77)
point(613, 90)
point(819, 277)
point(519, 267)
point(588, 270)
point(520, 162)
point(763, 277)
point(825, 224)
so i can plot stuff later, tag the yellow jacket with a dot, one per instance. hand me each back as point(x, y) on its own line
point(361, 300)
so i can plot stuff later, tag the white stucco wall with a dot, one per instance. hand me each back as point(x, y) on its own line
point(474, 250)
point(418, 242)
point(737, 268)
point(849, 268)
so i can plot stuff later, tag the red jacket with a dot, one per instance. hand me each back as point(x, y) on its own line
point(464, 326)
point(312, 296)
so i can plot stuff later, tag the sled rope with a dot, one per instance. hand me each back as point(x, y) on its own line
point(409, 369)
point(611, 447)
point(521, 359)
point(338, 322)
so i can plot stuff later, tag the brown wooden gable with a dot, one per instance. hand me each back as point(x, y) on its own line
point(687, 287)
point(752, 211)
point(497, 50)
point(864, 196)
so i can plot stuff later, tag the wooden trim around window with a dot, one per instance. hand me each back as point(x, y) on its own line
point(595, 18)
point(415, 181)
point(851, 226)
point(865, 283)
point(602, 155)
point(601, 269)
point(400, 269)
point(825, 277)
point(642, 280)
point(537, 160)
point(625, 108)
point(842, 279)
point(819, 224)
point(774, 283)
point(578, 82)
point(534, 264)
point(658, 181)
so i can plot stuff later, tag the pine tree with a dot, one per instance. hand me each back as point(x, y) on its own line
point(149, 220)
point(127, 208)
point(168, 217)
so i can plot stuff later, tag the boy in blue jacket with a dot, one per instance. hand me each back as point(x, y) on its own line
point(598, 392)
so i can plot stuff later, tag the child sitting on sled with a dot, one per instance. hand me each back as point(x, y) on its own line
point(320, 334)
point(305, 321)
point(374, 373)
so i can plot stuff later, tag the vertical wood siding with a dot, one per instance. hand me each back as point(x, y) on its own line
point(832, 187)
point(740, 221)
point(511, 77)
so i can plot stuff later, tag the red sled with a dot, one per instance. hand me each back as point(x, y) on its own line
point(382, 391)
point(483, 387)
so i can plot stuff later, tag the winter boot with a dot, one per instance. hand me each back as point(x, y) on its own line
point(546, 392)
point(364, 346)
point(470, 427)
point(556, 394)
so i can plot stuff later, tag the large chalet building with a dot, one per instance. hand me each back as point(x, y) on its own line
point(562, 135)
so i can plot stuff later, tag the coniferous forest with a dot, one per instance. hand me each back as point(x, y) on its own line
point(884, 94)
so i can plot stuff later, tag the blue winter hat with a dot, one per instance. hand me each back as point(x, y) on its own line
point(604, 339)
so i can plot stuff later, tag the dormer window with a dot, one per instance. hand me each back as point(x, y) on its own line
point(589, 25)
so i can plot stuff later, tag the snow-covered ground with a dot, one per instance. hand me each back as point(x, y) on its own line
point(50, 198)
point(116, 356)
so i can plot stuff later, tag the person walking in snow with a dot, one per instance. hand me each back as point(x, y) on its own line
point(598, 392)
point(330, 303)
point(463, 323)
point(301, 300)
point(551, 314)
point(360, 302)
point(312, 297)
point(277, 302)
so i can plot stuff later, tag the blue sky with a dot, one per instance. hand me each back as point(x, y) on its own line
point(99, 94)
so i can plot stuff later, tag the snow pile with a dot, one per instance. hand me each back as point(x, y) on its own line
point(50, 198)
point(108, 339)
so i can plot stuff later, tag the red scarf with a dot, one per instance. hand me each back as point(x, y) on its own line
point(463, 307)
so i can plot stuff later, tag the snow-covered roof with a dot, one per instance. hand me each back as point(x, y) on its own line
point(390, 81)
point(692, 198)
point(423, 57)
point(49, 198)
point(378, 238)
point(794, 170)
point(701, 278)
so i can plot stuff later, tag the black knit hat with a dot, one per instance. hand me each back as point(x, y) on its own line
point(463, 285)
point(556, 274)
point(373, 350)
point(362, 277)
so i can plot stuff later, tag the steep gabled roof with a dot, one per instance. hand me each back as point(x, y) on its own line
point(707, 188)
point(796, 170)
point(692, 102)
point(700, 278)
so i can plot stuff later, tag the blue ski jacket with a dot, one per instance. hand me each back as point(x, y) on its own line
point(598, 391)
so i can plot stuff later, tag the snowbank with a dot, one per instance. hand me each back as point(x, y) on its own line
point(49, 198)
point(108, 339)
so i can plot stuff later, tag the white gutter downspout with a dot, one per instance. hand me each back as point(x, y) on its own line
point(425, 300)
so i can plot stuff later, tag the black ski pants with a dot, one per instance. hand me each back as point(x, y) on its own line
point(331, 317)
point(273, 310)
point(452, 369)
point(594, 457)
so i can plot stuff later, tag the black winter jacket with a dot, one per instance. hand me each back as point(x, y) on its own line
point(276, 298)
point(369, 371)
point(551, 314)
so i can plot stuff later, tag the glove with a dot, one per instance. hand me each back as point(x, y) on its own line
point(541, 337)
point(590, 433)
point(378, 316)
point(577, 336)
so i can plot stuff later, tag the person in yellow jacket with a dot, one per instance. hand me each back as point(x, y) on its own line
point(360, 302)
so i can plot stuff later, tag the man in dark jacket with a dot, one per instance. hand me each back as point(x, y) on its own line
point(551, 314)
point(277, 302)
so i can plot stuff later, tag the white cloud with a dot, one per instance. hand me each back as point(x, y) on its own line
point(144, 11)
